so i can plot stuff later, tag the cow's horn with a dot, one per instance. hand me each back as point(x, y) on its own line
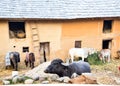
point(65, 64)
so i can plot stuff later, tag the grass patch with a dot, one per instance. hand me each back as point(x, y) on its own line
point(26, 77)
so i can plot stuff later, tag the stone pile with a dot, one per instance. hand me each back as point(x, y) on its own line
point(18, 79)
point(36, 74)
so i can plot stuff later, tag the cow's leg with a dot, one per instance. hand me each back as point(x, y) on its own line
point(108, 58)
point(16, 66)
point(26, 63)
point(72, 58)
point(12, 64)
point(32, 65)
point(103, 58)
point(15, 62)
point(83, 58)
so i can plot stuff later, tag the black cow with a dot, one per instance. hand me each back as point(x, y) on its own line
point(56, 67)
point(14, 59)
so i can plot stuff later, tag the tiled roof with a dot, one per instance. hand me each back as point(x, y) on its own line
point(59, 9)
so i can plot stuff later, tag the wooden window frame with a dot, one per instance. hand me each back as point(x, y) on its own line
point(78, 44)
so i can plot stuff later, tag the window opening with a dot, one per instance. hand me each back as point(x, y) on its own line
point(107, 26)
point(77, 44)
point(25, 49)
point(17, 30)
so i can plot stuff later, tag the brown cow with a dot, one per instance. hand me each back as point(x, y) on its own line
point(83, 79)
point(30, 58)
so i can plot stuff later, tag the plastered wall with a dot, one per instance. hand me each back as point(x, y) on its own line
point(62, 36)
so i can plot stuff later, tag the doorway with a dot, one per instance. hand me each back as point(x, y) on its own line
point(107, 44)
point(44, 51)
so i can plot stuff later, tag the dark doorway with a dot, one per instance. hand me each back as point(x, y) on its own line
point(44, 51)
point(106, 44)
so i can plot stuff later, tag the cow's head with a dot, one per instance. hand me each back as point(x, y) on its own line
point(56, 67)
point(100, 56)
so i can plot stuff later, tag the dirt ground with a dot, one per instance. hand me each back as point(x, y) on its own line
point(105, 73)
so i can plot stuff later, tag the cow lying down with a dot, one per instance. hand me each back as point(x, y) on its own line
point(57, 67)
point(83, 79)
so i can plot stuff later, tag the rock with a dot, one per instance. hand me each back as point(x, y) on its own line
point(43, 78)
point(38, 73)
point(5, 82)
point(49, 77)
point(39, 70)
point(35, 77)
point(15, 79)
point(66, 79)
point(60, 79)
point(28, 81)
point(54, 77)
point(63, 79)
point(14, 73)
point(21, 79)
point(45, 82)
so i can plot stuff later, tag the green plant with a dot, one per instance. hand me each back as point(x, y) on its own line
point(93, 59)
point(26, 77)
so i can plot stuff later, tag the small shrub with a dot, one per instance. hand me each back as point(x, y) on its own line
point(93, 59)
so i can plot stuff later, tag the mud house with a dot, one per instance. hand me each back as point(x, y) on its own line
point(49, 28)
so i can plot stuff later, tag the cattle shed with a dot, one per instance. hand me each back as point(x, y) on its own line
point(49, 28)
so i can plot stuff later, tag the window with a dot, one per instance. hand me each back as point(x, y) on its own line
point(107, 26)
point(17, 30)
point(77, 44)
point(25, 49)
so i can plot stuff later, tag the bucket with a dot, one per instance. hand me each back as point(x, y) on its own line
point(14, 73)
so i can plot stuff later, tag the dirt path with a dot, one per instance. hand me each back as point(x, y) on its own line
point(8, 72)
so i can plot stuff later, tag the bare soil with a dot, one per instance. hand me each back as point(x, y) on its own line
point(105, 73)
